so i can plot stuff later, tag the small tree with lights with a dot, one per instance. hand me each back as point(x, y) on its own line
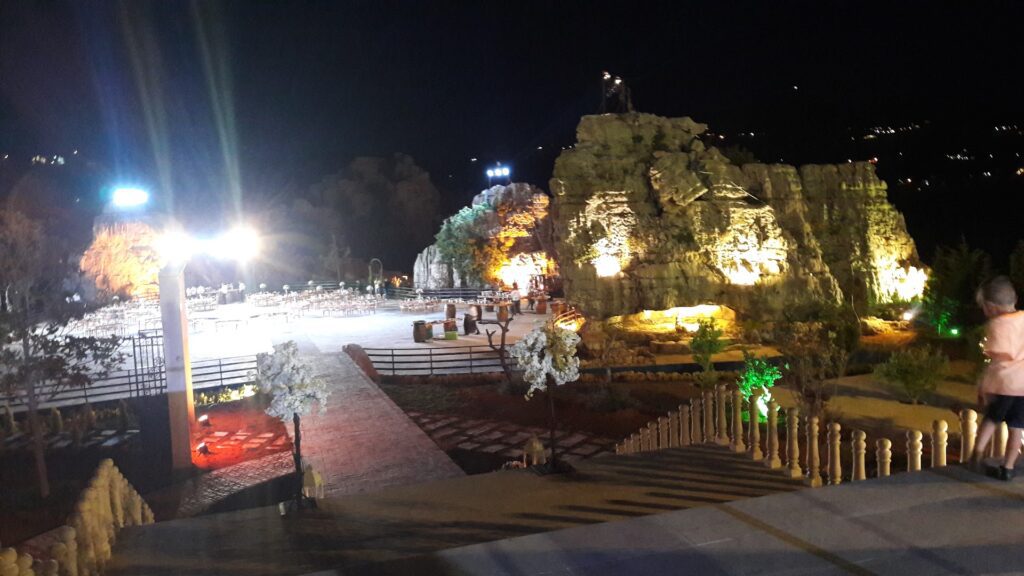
point(294, 392)
point(547, 355)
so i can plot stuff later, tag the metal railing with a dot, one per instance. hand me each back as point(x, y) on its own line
point(211, 373)
point(403, 293)
point(435, 361)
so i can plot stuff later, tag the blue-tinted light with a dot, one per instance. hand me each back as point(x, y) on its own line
point(129, 197)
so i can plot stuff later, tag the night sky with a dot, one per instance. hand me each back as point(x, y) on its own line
point(198, 100)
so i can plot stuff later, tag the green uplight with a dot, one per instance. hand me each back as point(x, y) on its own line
point(954, 331)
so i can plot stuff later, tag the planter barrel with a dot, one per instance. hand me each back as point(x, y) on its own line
point(542, 306)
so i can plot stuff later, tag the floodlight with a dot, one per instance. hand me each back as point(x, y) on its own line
point(176, 246)
point(505, 171)
point(129, 197)
point(240, 243)
point(490, 173)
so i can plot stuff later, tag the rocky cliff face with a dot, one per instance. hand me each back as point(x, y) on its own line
point(646, 217)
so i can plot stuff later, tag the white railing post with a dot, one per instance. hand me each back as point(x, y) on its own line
point(737, 445)
point(684, 425)
point(883, 455)
point(709, 416)
point(771, 459)
point(860, 446)
point(722, 437)
point(835, 465)
point(913, 450)
point(673, 429)
point(813, 460)
point(754, 423)
point(968, 433)
point(940, 438)
point(1002, 437)
point(793, 443)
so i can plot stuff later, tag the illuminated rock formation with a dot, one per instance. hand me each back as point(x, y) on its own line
point(507, 235)
point(645, 217)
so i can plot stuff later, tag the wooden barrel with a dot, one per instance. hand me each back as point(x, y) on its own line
point(449, 311)
point(557, 307)
point(502, 312)
point(542, 306)
point(421, 331)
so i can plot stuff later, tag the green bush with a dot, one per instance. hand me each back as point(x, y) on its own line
point(916, 371)
point(707, 341)
point(948, 300)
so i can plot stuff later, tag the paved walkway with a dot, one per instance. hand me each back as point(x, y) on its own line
point(358, 532)
point(939, 522)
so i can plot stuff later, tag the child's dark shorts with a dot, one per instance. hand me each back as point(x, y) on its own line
point(1009, 409)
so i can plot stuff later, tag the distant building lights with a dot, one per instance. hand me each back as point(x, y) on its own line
point(129, 197)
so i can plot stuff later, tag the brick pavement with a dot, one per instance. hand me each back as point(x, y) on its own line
point(363, 441)
point(504, 438)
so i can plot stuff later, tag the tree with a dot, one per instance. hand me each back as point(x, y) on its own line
point(916, 370)
point(758, 373)
point(37, 354)
point(123, 260)
point(707, 341)
point(547, 354)
point(956, 274)
point(294, 392)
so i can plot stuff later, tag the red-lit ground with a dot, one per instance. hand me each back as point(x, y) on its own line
point(238, 431)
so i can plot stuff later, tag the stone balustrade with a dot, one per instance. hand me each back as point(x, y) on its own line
point(83, 546)
point(708, 420)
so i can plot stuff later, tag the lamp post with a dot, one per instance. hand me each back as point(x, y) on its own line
point(176, 249)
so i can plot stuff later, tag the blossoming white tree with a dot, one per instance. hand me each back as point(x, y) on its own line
point(294, 392)
point(548, 358)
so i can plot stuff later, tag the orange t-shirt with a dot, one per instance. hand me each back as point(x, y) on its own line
point(1004, 345)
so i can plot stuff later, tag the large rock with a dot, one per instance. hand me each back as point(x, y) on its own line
point(518, 215)
point(646, 217)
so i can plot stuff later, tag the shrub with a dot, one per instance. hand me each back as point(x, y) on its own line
point(949, 294)
point(707, 341)
point(916, 370)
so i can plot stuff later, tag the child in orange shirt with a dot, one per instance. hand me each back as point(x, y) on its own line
point(1001, 386)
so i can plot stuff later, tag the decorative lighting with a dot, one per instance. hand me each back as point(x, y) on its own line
point(954, 331)
point(908, 315)
point(129, 197)
point(204, 420)
point(203, 449)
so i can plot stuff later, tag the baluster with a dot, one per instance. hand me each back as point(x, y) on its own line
point(709, 416)
point(793, 443)
point(635, 443)
point(684, 425)
point(695, 433)
point(835, 464)
point(968, 433)
point(722, 437)
point(1002, 436)
point(913, 450)
point(883, 455)
point(738, 445)
point(860, 447)
point(645, 439)
point(673, 429)
point(940, 438)
point(772, 460)
point(754, 422)
point(620, 449)
point(662, 433)
point(813, 461)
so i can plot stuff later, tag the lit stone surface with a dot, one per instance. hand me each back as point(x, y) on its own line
point(645, 216)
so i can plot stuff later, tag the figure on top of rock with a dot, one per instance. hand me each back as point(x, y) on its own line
point(616, 97)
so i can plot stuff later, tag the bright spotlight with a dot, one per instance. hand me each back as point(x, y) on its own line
point(505, 171)
point(908, 315)
point(129, 197)
point(240, 243)
point(490, 173)
point(176, 246)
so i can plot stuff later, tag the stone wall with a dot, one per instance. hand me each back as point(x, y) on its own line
point(645, 216)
